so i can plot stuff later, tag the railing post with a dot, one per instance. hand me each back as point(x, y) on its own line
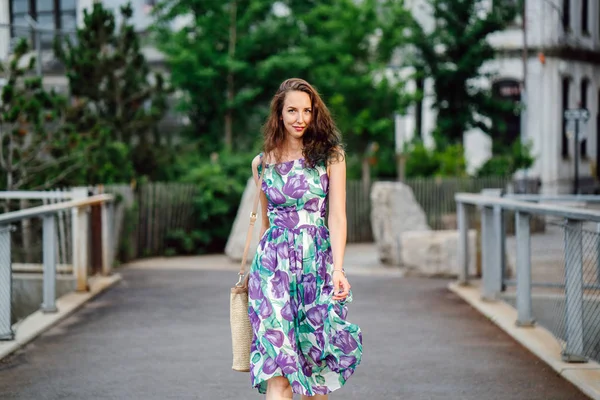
point(80, 237)
point(49, 256)
point(106, 209)
point(6, 332)
point(523, 237)
point(491, 247)
point(463, 243)
point(573, 292)
point(79, 244)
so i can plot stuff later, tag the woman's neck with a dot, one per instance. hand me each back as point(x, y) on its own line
point(292, 147)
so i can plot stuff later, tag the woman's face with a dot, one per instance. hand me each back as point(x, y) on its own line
point(296, 113)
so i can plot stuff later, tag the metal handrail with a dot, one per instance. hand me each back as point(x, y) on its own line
point(528, 207)
point(492, 251)
point(80, 233)
point(41, 211)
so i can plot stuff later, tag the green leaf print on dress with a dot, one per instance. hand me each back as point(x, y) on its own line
point(299, 331)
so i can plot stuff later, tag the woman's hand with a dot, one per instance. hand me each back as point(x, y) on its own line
point(341, 286)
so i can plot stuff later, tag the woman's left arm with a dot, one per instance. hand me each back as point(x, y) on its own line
point(338, 224)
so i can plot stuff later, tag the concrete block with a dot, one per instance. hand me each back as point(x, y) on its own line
point(435, 253)
point(394, 210)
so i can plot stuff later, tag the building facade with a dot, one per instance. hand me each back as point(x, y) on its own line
point(563, 71)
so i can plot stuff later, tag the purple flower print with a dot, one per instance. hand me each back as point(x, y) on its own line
point(275, 337)
point(284, 168)
point(347, 361)
point(315, 353)
point(306, 367)
point(292, 339)
point(265, 309)
point(269, 366)
point(332, 363)
point(287, 363)
point(319, 337)
point(286, 312)
point(287, 219)
point(347, 373)
point(254, 290)
point(310, 288)
point(345, 342)
point(260, 348)
point(269, 257)
point(275, 195)
point(296, 260)
point(280, 284)
point(323, 232)
point(275, 233)
point(254, 320)
point(320, 390)
point(312, 205)
point(296, 186)
point(283, 251)
point(325, 182)
point(322, 263)
point(315, 314)
point(296, 387)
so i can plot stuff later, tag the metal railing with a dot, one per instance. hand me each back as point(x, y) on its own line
point(48, 214)
point(576, 322)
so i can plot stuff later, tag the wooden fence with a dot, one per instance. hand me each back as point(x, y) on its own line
point(148, 214)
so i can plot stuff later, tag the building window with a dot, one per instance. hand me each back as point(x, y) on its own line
point(49, 14)
point(583, 104)
point(584, 17)
point(565, 105)
point(566, 15)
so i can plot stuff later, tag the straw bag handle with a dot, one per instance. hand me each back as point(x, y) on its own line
point(253, 216)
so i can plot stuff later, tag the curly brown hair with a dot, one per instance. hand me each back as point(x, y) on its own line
point(322, 139)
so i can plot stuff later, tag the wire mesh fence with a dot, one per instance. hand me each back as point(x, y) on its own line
point(565, 270)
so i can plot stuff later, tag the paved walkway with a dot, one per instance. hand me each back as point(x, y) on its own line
point(163, 333)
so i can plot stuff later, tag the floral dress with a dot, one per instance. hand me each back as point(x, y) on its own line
point(299, 331)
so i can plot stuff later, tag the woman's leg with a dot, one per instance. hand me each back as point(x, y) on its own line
point(315, 397)
point(279, 388)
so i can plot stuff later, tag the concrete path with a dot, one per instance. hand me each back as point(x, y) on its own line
point(163, 333)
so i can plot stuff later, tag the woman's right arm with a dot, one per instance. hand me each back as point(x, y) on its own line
point(263, 198)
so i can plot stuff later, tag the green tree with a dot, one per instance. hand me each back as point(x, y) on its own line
point(350, 68)
point(226, 60)
point(453, 54)
point(37, 148)
point(123, 102)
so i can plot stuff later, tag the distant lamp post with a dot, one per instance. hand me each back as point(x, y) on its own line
point(576, 126)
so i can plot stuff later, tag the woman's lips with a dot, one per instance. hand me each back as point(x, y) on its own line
point(299, 128)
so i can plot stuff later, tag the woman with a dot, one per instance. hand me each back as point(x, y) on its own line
point(298, 289)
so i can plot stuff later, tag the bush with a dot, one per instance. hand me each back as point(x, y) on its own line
point(424, 162)
point(517, 157)
point(221, 181)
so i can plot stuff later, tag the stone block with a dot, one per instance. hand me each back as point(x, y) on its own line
point(394, 210)
point(435, 253)
point(234, 248)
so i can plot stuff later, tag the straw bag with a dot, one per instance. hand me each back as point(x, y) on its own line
point(241, 330)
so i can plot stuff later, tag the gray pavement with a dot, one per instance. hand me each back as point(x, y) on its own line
point(164, 334)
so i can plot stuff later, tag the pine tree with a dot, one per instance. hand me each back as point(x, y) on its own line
point(109, 74)
point(37, 148)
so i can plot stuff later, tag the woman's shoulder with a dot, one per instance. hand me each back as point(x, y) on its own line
point(256, 161)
